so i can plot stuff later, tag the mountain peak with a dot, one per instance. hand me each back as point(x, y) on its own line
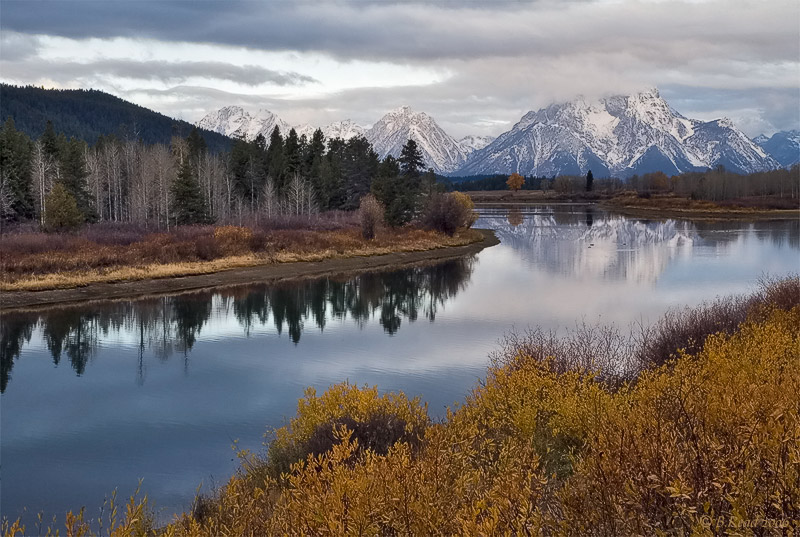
point(439, 150)
point(236, 122)
point(649, 93)
point(619, 135)
point(783, 146)
point(404, 110)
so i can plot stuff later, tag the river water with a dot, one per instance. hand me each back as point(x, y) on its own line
point(98, 397)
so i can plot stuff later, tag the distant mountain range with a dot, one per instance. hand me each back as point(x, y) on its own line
point(439, 150)
point(783, 146)
point(621, 136)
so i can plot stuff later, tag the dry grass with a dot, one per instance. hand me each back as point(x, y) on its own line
point(36, 262)
point(505, 197)
point(668, 204)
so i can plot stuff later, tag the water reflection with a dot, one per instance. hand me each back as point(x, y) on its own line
point(172, 323)
point(163, 385)
point(581, 243)
point(587, 242)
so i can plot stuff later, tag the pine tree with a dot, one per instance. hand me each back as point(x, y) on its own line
point(276, 165)
point(16, 154)
point(589, 181)
point(242, 168)
point(61, 210)
point(197, 146)
point(360, 165)
point(397, 192)
point(411, 162)
point(49, 140)
point(312, 165)
point(292, 154)
point(188, 206)
point(73, 173)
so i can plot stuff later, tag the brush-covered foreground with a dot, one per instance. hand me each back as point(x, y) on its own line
point(558, 440)
point(39, 261)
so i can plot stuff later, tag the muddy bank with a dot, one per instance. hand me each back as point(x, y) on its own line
point(240, 276)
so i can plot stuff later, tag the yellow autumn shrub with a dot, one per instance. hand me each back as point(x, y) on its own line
point(714, 437)
point(379, 419)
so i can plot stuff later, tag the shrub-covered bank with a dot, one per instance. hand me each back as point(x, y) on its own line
point(101, 253)
point(557, 440)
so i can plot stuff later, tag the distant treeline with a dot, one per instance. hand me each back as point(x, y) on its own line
point(714, 184)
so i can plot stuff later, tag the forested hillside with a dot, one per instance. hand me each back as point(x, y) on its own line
point(89, 114)
point(62, 181)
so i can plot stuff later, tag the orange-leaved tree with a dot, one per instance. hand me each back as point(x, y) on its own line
point(515, 181)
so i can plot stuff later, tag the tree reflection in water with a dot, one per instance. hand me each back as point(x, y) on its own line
point(167, 324)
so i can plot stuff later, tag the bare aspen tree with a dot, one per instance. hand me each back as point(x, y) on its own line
point(295, 195)
point(95, 179)
point(43, 171)
point(6, 198)
point(164, 164)
point(270, 203)
point(112, 168)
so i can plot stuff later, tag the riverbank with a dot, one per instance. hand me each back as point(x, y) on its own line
point(670, 206)
point(500, 198)
point(245, 270)
point(648, 206)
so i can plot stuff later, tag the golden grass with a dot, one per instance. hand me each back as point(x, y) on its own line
point(306, 246)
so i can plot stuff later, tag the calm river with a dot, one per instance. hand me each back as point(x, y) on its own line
point(99, 397)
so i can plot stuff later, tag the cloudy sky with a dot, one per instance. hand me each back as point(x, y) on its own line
point(475, 66)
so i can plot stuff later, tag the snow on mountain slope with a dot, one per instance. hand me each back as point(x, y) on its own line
point(620, 135)
point(235, 122)
point(343, 129)
point(719, 142)
point(439, 150)
point(473, 143)
point(304, 130)
point(783, 146)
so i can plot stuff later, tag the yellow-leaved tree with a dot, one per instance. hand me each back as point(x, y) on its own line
point(515, 182)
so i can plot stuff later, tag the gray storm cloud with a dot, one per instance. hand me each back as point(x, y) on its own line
point(502, 58)
point(165, 71)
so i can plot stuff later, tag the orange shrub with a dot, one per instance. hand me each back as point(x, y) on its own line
point(233, 240)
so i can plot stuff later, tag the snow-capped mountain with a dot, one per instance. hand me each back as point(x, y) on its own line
point(620, 135)
point(339, 129)
point(439, 150)
point(473, 143)
point(343, 129)
point(303, 130)
point(783, 146)
point(235, 122)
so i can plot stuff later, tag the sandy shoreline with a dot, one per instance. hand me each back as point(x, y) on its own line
point(16, 300)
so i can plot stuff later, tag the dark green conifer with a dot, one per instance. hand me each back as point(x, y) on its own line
point(188, 206)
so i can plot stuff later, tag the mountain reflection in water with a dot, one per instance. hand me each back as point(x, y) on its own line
point(589, 243)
